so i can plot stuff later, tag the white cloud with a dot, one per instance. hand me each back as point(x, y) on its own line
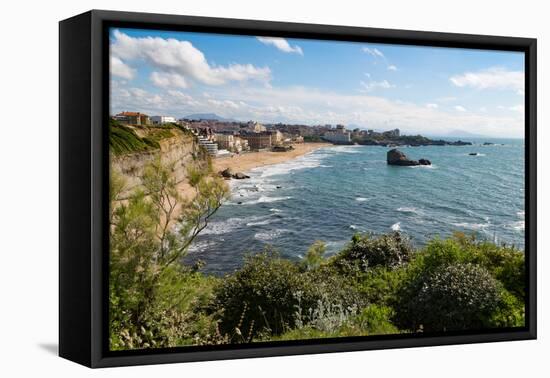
point(167, 80)
point(432, 106)
point(307, 105)
point(373, 85)
point(281, 44)
point(181, 57)
point(520, 108)
point(374, 52)
point(367, 74)
point(460, 108)
point(121, 69)
point(491, 78)
point(391, 67)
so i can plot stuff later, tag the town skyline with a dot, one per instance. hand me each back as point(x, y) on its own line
point(433, 91)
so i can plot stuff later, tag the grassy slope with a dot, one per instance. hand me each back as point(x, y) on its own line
point(124, 140)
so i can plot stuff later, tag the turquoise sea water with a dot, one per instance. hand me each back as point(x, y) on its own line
point(334, 192)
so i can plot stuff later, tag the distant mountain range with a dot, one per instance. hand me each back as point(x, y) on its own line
point(209, 116)
point(464, 134)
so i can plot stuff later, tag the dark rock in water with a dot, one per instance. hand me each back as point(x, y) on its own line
point(226, 173)
point(424, 162)
point(459, 143)
point(488, 144)
point(240, 176)
point(239, 203)
point(279, 186)
point(396, 157)
point(473, 154)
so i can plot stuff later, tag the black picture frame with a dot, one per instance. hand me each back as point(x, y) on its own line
point(83, 181)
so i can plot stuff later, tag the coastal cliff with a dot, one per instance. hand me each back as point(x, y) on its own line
point(175, 146)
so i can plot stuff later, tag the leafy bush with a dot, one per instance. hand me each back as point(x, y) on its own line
point(452, 297)
point(168, 318)
point(270, 295)
point(364, 252)
point(438, 261)
point(379, 285)
point(341, 322)
point(261, 297)
point(506, 264)
point(374, 320)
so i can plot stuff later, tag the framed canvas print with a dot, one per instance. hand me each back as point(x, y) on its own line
point(234, 188)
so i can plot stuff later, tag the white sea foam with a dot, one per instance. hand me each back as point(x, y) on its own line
point(521, 214)
point(518, 226)
point(432, 166)
point(266, 199)
point(275, 210)
point(353, 227)
point(361, 199)
point(472, 226)
point(260, 223)
point(396, 226)
point(307, 161)
point(229, 225)
point(198, 246)
point(405, 209)
point(269, 235)
point(347, 149)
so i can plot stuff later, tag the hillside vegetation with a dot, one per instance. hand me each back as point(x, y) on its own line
point(124, 139)
point(378, 284)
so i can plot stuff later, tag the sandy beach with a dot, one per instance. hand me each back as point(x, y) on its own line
point(247, 161)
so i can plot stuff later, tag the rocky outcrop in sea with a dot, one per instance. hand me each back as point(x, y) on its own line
point(396, 157)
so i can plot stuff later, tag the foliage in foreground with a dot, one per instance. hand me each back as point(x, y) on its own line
point(152, 296)
point(375, 285)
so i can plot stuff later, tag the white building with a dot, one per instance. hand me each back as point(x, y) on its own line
point(161, 120)
point(340, 136)
point(210, 146)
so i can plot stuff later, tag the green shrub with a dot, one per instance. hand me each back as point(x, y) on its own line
point(452, 297)
point(341, 322)
point(314, 256)
point(365, 252)
point(374, 320)
point(261, 297)
point(171, 316)
point(509, 313)
point(270, 295)
point(506, 264)
point(379, 285)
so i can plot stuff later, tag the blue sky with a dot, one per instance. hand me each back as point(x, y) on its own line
point(417, 89)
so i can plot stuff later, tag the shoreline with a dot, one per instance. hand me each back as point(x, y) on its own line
point(248, 161)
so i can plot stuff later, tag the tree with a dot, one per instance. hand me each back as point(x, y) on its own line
point(314, 256)
point(150, 233)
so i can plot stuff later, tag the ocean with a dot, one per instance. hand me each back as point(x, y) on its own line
point(337, 191)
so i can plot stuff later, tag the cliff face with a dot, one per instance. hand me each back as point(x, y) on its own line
point(181, 149)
